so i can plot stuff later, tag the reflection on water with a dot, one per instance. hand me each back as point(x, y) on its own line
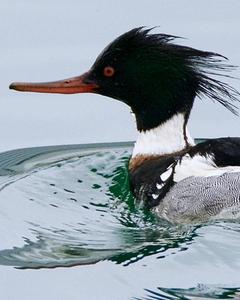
point(71, 206)
point(200, 292)
point(79, 211)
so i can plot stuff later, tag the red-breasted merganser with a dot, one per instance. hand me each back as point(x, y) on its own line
point(159, 80)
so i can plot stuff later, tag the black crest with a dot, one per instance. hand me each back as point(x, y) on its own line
point(153, 72)
point(206, 65)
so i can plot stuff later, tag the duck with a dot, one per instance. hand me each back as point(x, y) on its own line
point(159, 80)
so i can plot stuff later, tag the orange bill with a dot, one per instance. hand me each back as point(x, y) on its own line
point(67, 86)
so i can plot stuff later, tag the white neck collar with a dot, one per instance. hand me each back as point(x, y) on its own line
point(165, 139)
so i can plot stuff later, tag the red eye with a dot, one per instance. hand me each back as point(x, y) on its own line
point(108, 71)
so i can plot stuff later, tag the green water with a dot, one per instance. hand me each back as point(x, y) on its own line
point(70, 206)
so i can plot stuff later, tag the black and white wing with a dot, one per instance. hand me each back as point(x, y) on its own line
point(151, 182)
point(225, 151)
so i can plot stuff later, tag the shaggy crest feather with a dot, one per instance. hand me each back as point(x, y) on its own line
point(203, 64)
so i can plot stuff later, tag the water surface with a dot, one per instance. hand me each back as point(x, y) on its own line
point(69, 208)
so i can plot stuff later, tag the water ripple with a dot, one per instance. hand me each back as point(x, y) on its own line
point(79, 211)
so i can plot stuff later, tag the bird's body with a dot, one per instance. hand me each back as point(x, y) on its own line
point(197, 184)
point(159, 80)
